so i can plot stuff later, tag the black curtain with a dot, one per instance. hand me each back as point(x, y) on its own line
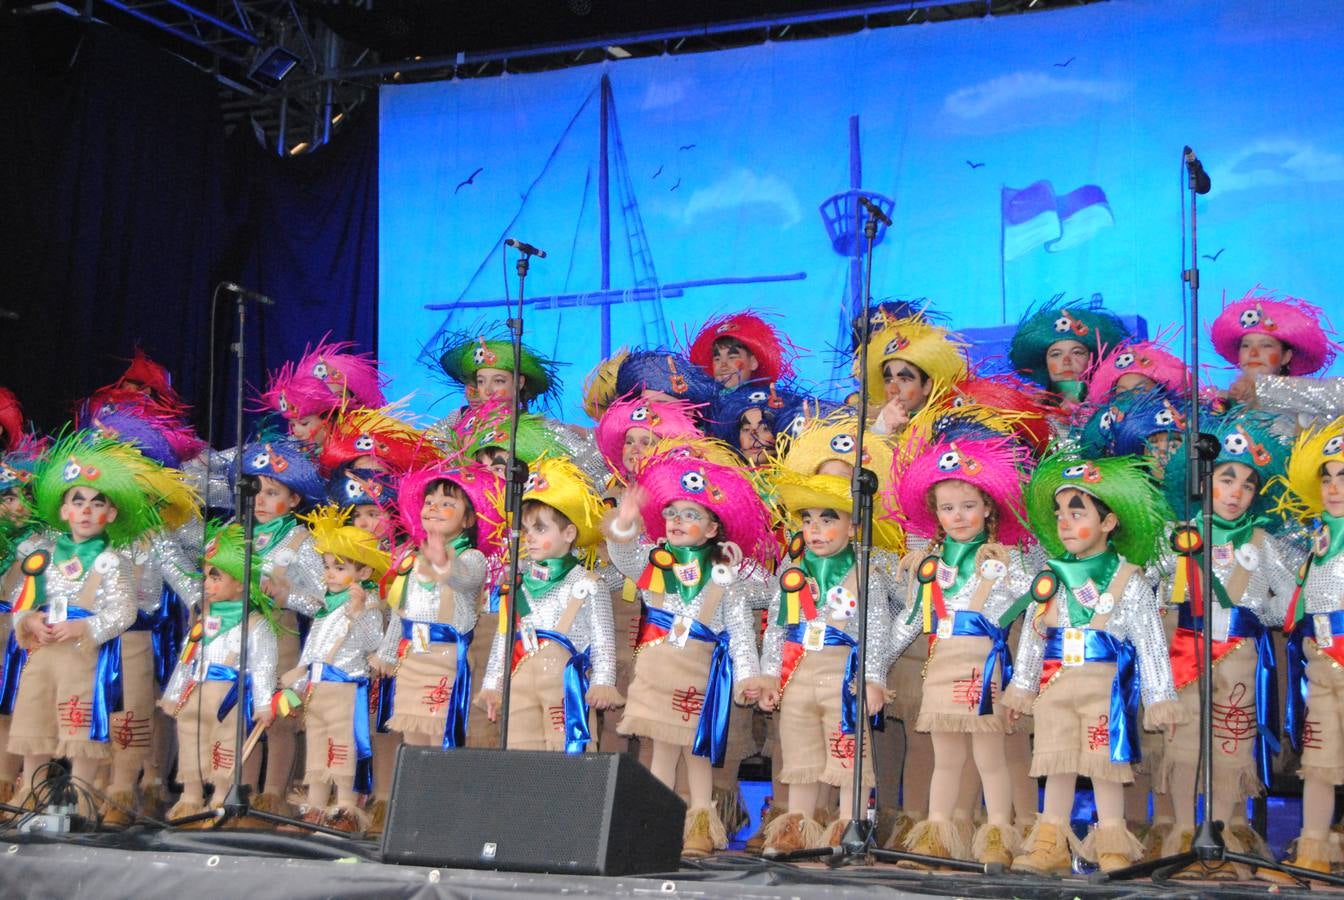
point(124, 203)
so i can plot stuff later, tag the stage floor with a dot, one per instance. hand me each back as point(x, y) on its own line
point(262, 865)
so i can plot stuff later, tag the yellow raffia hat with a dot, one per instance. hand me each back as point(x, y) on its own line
point(599, 388)
point(832, 438)
point(557, 482)
point(332, 534)
point(1313, 448)
point(936, 351)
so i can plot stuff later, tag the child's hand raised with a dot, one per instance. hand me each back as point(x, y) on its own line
point(628, 509)
point(489, 700)
point(358, 597)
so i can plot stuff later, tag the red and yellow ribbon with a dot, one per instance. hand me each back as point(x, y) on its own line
point(654, 578)
point(32, 567)
point(1187, 583)
point(395, 581)
point(799, 601)
point(930, 592)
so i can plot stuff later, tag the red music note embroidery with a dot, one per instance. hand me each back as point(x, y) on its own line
point(337, 754)
point(129, 731)
point(1099, 735)
point(221, 757)
point(74, 715)
point(557, 714)
point(1234, 721)
point(842, 748)
point(437, 695)
point(688, 702)
point(966, 691)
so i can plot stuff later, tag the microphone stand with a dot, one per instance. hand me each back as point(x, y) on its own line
point(237, 803)
point(856, 843)
point(1208, 848)
point(513, 497)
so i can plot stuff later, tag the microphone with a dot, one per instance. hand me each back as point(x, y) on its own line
point(1198, 176)
point(874, 210)
point(246, 294)
point(525, 248)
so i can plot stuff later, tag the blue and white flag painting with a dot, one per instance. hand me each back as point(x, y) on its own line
point(1035, 217)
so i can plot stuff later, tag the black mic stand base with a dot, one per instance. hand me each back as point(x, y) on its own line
point(237, 809)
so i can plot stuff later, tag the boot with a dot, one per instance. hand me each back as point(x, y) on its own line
point(153, 800)
point(1313, 853)
point(1154, 837)
point(119, 810)
point(184, 808)
point(756, 843)
point(932, 837)
point(1112, 845)
point(703, 834)
point(1047, 850)
point(377, 811)
point(313, 815)
point(728, 804)
point(900, 829)
point(350, 820)
point(994, 845)
point(834, 832)
point(788, 832)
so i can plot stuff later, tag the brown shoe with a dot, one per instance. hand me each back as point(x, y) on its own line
point(1047, 851)
point(119, 810)
point(347, 820)
point(312, 815)
point(183, 809)
point(377, 811)
point(756, 843)
point(153, 800)
point(789, 832)
point(703, 834)
point(900, 829)
point(1155, 837)
point(994, 845)
point(930, 838)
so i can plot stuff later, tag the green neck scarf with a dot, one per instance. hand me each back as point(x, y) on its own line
point(84, 551)
point(827, 571)
point(961, 556)
point(693, 561)
point(540, 575)
point(1074, 573)
point(1235, 532)
point(1069, 389)
point(278, 529)
point(229, 613)
point(333, 602)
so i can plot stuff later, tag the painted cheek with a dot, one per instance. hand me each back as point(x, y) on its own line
point(1272, 358)
point(102, 519)
point(1084, 534)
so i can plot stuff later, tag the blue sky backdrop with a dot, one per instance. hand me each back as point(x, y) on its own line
point(729, 155)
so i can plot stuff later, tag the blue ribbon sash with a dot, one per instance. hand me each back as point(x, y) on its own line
point(363, 746)
point(711, 734)
point(220, 672)
point(968, 623)
point(1296, 717)
point(1100, 646)
point(1244, 625)
point(105, 698)
point(849, 703)
point(577, 734)
point(11, 672)
point(459, 701)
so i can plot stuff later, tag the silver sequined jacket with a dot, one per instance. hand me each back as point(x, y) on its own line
point(1134, 618)
point(353, 636)
point(262, 654)
point(465, 579)
point(113, 603)
point(592, 628)
point(1005, 592)
point(733, 613)
point(882, 588)
point(1323, 590)
point(1271, 584)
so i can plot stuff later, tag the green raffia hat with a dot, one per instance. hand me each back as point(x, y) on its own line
point(224, 551)
point(461, 356)
point(114, 469)
point(1123, 483)
point(1244, 437)
point(1096, 329)
point(487, 426)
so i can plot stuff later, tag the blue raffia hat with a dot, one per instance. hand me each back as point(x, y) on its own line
point(667, 372)
point(350, 486)
point(1244, 436)
point(728, 408)
point(286, 462)
point(1148, 414)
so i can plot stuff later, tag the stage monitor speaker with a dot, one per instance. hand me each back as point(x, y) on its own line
point(531, 811)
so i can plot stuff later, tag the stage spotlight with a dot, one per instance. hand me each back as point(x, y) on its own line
point(272, 66)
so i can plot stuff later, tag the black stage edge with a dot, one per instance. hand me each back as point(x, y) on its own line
point(242, 864)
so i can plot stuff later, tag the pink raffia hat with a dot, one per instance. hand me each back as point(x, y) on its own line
point(678, 474)
point(997, 466)
point(482, 486)
point(344, 372)
point(295, 394)
point(1147, 358)
point(1291, 321)
point(675, 419)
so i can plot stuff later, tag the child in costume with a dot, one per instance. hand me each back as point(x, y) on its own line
point(1056, 345)
point(203, 693)
point(333, 672)
point(1314, 621)
point(353, 377)
point(632, 426)
point(663, 375)
point(910, 362)
point(76, 597)
point(563, 620)
point(705, 527)
point(375, 439)
point(965, 496)
point(1138, 366)
point(810, 655)
point(1254, 575)
point(748, 420)
point(1269, 337)
point(455, 516)
point(306, 403)
point(486, 365)
point(741, 348)
point(1093, 640)
point(18, 537)
point(291, 570)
